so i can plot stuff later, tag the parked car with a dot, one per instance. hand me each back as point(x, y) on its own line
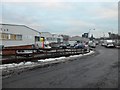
point(86, 48)
point(97, 42)
point(63, 46)
point(109, 43)
point(68, 46)
point(47, 46)
point(92, 44)
point(102, 44)
point(54, 45)
point(117, 44)
point(79, 45)
point(72, 44)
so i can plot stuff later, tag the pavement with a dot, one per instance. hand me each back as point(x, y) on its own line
point(99, 70)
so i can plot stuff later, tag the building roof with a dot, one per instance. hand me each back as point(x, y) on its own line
point(78, 38)
point(46, 34)
point(21, 25)
point(75, 38)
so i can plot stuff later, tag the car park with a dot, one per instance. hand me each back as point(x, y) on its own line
point(84, 46)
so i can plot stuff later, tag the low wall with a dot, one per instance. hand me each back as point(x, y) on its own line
point(6, 50)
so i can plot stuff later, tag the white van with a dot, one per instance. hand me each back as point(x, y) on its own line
point(109, 43)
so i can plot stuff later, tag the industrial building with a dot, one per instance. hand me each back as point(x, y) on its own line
point(18, 36)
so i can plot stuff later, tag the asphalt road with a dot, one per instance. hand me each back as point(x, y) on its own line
point(97, 71)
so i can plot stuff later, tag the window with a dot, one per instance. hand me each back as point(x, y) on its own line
point(49, 39)
point(54, 39)
point(37, 38)
point(6, 36)
point(58, 40)
point(18, 37)
point(13, 37)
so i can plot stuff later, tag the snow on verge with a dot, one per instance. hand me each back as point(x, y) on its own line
point(29, 63)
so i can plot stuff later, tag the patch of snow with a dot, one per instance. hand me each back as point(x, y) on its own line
point(60, 58)
point(5, 66)
point(28, 63)
point(91, 52)
point(52, 59)
point(41, 60)
point(76, 55)
point(22, 63)
point(47, 60)
point(9, 65)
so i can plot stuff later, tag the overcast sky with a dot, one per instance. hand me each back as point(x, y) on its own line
point(62, 17)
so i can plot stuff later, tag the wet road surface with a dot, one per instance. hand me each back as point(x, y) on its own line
point(97, 71)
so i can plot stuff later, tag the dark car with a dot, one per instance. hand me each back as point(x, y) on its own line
point(63, 46)
point(117, 44)
point(80, 46)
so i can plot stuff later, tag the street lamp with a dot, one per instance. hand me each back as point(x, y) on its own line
point(103, 36)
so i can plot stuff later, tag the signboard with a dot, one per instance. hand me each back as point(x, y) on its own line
point(42, 39)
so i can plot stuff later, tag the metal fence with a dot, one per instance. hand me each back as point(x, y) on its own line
point(20, 55)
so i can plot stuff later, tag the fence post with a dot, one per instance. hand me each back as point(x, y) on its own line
point(64, 51)
point(82, 51)
point(15, 54)
point(46, 52)
point(76, 51)
point(32, 53)
point(56, 52)
point(71, 51)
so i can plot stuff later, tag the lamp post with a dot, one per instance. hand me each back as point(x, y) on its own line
point(103, 36)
